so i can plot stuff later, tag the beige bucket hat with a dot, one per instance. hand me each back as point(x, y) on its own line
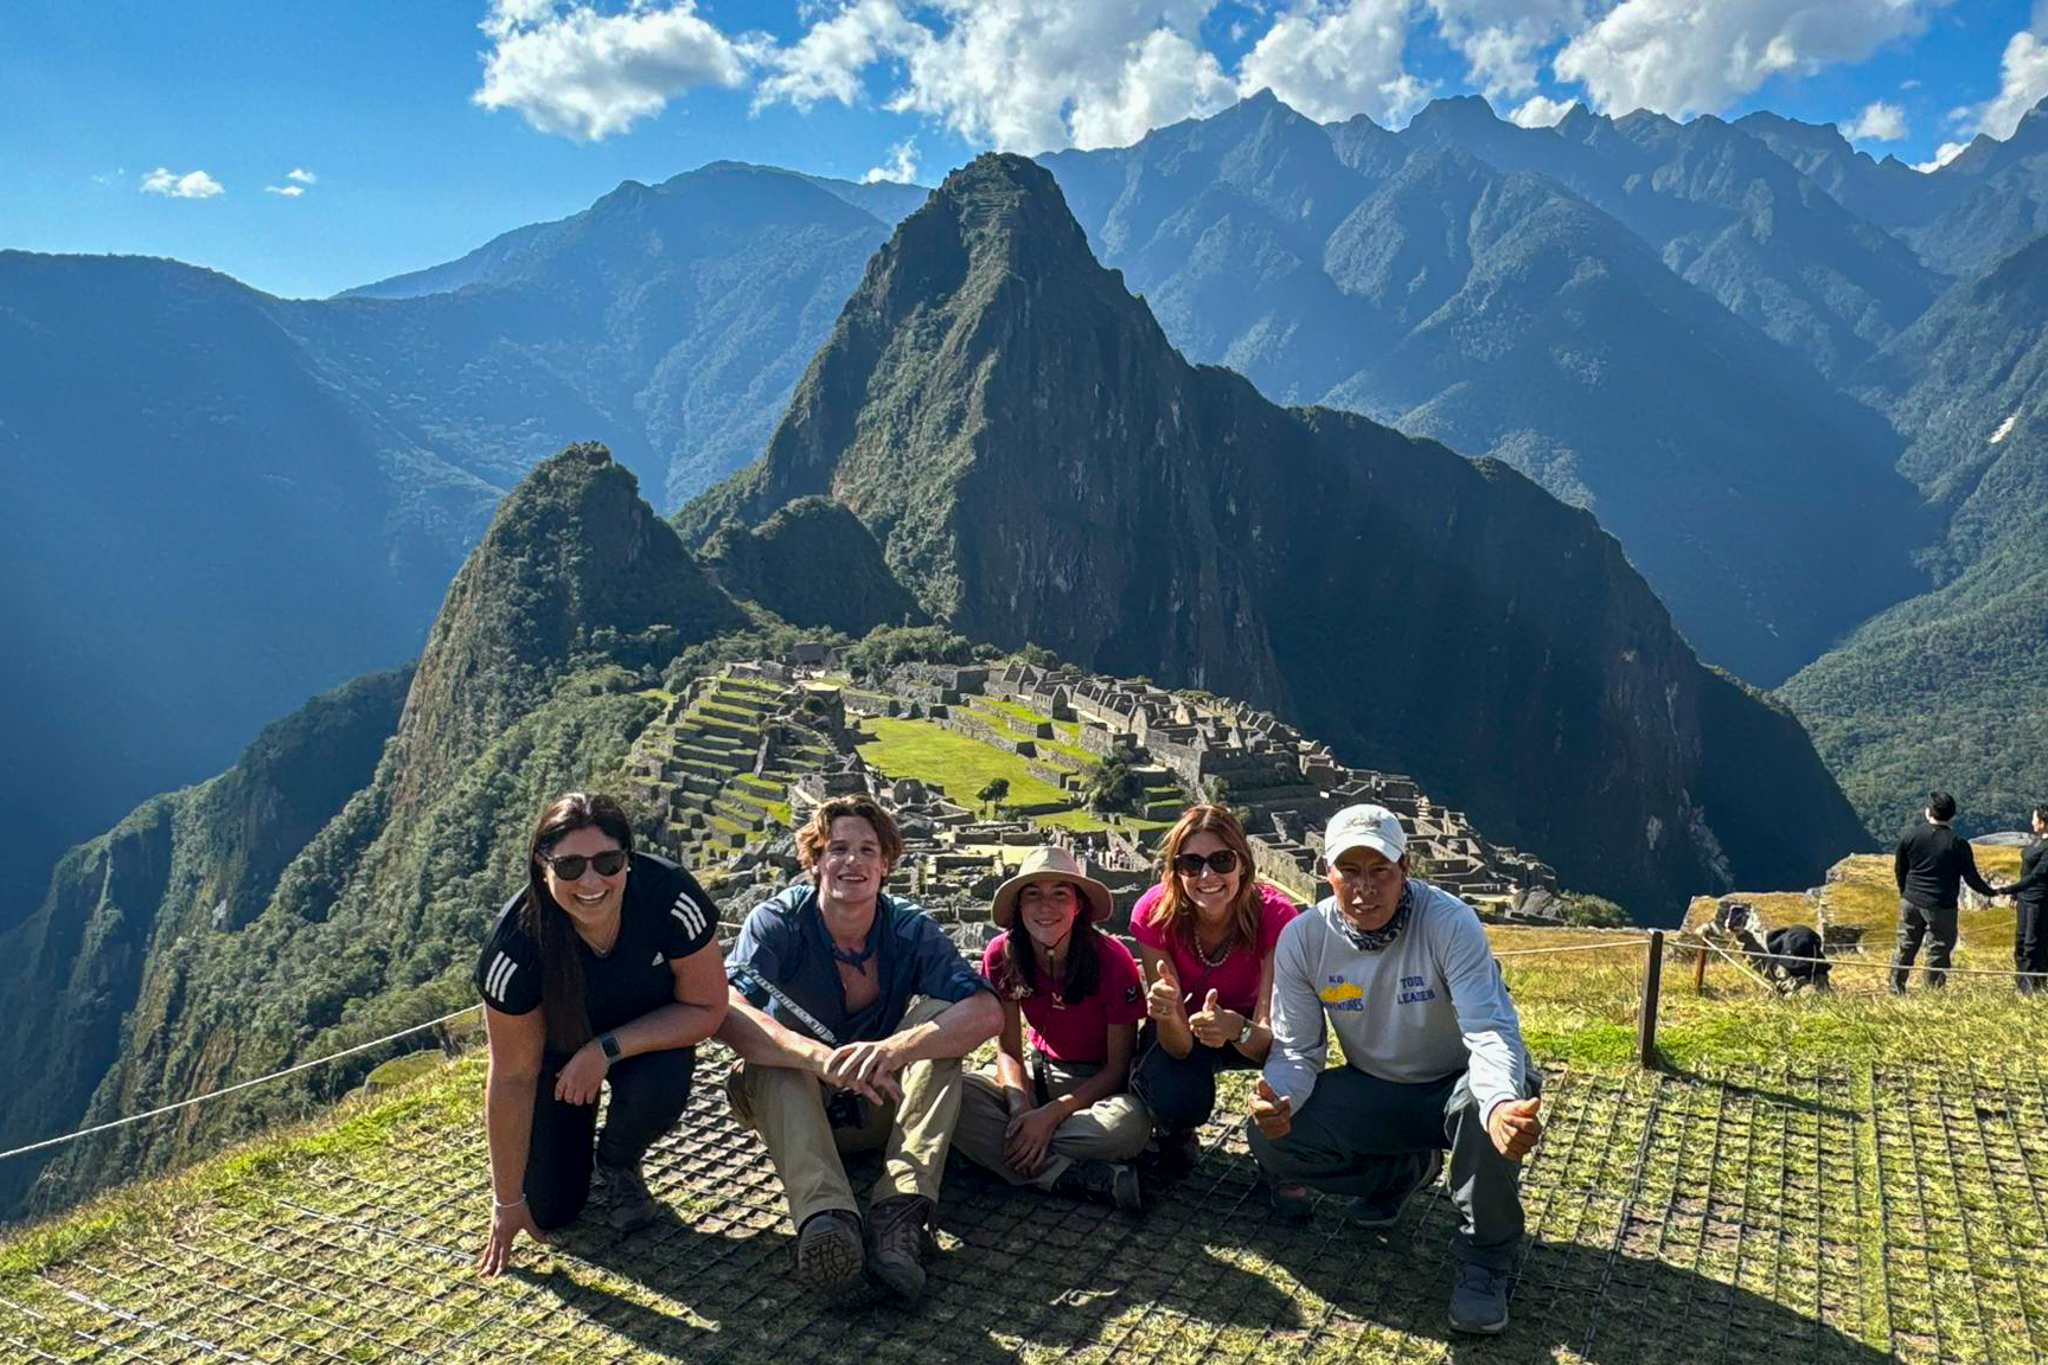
point(1049, 864)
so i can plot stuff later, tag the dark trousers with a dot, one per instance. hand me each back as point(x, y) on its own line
point(1356, 1136)
point(648, 1095)
point(1938, 928)
point(2030, 946)
point(1181, 1091)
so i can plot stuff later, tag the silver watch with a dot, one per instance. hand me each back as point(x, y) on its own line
point(1244, 1035)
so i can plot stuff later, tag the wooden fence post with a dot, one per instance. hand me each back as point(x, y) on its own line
point(1646, 1018)
point(1699, 971)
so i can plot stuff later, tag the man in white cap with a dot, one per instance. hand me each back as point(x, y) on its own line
point(1433, 1060)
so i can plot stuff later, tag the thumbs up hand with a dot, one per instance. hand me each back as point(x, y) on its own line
point(1514, 1127)
point(1273, 1115)
point(1162, 1000)
point(1214, 1026)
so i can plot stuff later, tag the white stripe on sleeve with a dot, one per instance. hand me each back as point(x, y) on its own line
point(688, 913)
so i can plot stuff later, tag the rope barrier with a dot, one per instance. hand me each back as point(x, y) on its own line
point(1576, 948)
point(238, 1085)
point(1871, 964)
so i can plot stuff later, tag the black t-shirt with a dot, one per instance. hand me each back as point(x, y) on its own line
point(663, 917)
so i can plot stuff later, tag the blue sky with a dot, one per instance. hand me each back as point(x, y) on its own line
point(377, 103)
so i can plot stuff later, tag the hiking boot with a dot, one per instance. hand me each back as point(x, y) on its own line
point(828, 1256)
point(623, 1190)
point(1105, 1182)
point(1178, 1153)
point(1479, 1302)
point(1384, 1209)
point(1291, 1199)
point(899, 1237)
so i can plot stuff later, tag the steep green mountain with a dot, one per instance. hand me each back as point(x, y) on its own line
point(206, 531)
point(533, 680)
point(1421, 612)
point(1888, 193)
point(1506, 317)
point(671, 320)
point(1725, 213)
point(229, 502)
point(812, 564)
point(182, 868)
point(1951, 688)
point(1996, 200)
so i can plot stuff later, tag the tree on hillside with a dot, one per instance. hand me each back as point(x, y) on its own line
point(1592, 912)
point(995, 791)
point(1112, 788)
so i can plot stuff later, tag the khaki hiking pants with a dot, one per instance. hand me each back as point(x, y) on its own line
point(787, 1108)
point(1115, 1129)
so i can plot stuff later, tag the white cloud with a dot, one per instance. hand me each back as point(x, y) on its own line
point(190, 185)
point(1540, 111)
point(1502, 41)
point(2023, 83)
point(1018, 75)
point(1879, 122)
point(288, 191)
point(901, 168)
point(828, 61)
point(587, 74)
point(1333, 60)
point(1948, 152)
point(301, 175)
point(1683, 57)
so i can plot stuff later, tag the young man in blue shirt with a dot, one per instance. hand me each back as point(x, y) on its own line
point(850, 1011)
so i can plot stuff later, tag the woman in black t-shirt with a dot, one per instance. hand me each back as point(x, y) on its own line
point(605, 968)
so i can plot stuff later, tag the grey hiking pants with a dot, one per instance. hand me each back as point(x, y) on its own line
point(1357, 1132)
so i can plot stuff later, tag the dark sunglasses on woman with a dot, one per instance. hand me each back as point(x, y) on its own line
point(569, 867)
point(1222, 862)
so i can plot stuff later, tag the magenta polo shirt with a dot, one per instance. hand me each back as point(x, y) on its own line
point(1236, 979)
point(1074, 1030)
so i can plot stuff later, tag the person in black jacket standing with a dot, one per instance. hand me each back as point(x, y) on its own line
point(2030, 928)
point(1932, 863)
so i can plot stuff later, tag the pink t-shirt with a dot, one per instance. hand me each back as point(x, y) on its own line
point(1074, 1030)
point(1236, 979)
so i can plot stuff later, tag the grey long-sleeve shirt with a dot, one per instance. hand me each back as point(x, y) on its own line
point(1429, 1005)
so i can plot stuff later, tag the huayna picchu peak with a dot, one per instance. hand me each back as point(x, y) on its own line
point(1164, 519)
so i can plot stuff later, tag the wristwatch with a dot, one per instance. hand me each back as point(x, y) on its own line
point(1244, 1035)
point(610, 1046)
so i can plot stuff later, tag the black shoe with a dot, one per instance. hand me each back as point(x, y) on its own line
point(1179, 1153)
point(828, 1254)
point(1291, 1200)
point(899, 1238)
point(1384, 1209)
point(1105, 1182)
point(623, 1190)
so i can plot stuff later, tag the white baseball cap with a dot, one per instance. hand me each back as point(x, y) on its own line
point(1367, 826)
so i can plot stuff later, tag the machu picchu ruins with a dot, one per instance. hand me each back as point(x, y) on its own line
point(744, 753)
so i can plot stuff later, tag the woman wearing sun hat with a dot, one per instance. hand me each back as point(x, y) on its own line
point(1061, 1118)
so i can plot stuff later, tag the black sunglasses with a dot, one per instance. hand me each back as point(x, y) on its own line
point(1222, 862)
point(569, 867)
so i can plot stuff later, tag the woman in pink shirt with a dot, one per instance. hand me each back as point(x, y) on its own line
point(1064, 1120)
point(1206, 934)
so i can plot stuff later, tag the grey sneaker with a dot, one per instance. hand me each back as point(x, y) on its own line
point(828, 1255)
point(899, 1237)
point(1479, 1302)
point(1105, 1182)
point(623, 1189)
point(1384, 1209)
